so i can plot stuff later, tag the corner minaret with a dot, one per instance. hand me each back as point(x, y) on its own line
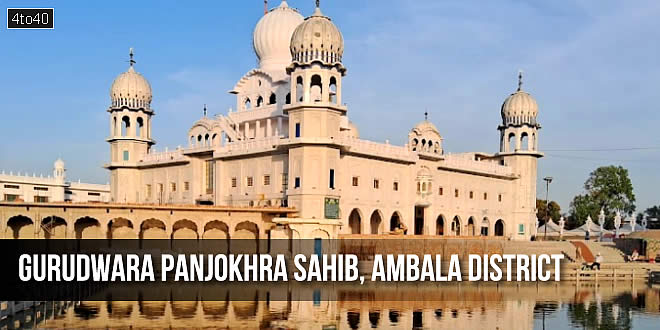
point(315, 114)
point(519, 151)
point(130, 131)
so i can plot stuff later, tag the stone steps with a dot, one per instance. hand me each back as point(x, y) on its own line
point(608, 250)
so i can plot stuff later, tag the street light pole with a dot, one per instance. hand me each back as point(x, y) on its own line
point(548, 180)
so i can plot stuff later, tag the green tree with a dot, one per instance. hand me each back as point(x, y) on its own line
point(542, 211)
point(609, 188)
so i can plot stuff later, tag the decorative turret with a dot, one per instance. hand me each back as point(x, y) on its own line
point(130, 131)
point(317, 47)
point(425, 138)
point(59, 172)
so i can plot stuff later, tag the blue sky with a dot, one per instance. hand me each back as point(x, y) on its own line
point(593, 67)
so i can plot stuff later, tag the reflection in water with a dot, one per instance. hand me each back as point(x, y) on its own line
point(556, 306)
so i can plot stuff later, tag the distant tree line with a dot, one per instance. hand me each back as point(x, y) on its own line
point(608, 188)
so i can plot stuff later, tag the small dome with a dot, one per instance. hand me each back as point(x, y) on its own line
point(59, 163)
point(131, 89)
point(426, 126)
point(272, 36)
point(317, 39)
point(425, 137)
point(520, 108)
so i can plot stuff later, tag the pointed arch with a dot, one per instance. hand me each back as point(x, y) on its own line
point(440, 225)
point(396, 222)
point(456, 226)
point(355, 221)
point(376, 222)
point(499, 228)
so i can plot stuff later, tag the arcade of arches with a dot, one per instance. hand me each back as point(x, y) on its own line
point(374, 224)
point(100, 221)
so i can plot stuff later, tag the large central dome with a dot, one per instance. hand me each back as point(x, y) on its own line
point(272, 36)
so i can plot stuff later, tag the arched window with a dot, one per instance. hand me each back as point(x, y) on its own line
point(512, 142)
point(248, 104)
point(272, 99)
point(114, 126)
point(333, 90)
point(299, 88)
point(214, 139)
point(199, 139)
point(288, 98)
point(533, 142)
point(140, 127)
point(206, 140)
point(316, 88)
point(260, 101)
point(125, 125)
point(192, 141)
point(524, 142)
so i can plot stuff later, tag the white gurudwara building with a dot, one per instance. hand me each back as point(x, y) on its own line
point(48, 189)
point(290, 143)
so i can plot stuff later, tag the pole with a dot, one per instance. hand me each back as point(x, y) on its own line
point(547, 209)
point(548, 180)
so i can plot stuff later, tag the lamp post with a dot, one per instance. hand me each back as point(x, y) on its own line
point(548, 180)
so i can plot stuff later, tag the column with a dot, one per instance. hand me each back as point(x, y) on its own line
point(269, 128)
point(257, 130)
point(279, 126)
point(247, 130)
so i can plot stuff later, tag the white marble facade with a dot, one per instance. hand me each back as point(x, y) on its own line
point(290, 142)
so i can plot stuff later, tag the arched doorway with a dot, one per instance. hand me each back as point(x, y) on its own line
point(218, 233)
point(245, 238)
point(395, 222)
point(53, 227)
point(470, 227)
point(355, 222)
point(376, 223)
point(440, 225)
point(87, 228)
point(456, 226)
point(20, 227)
point(152, 229)
point(120, 228)
point(499, 228)
point(419, 219)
